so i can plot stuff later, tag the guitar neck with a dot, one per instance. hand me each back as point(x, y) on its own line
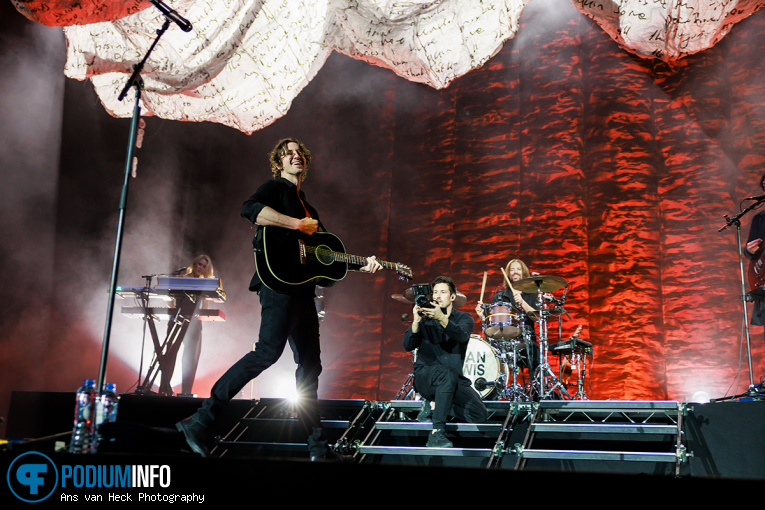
point(350, 259)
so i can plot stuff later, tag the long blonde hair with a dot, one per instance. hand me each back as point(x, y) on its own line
point(208, 272)
point(525, 273)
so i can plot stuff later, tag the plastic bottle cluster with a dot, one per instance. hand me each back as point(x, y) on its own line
point(92, 409)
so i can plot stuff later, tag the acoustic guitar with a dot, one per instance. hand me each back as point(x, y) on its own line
point(290, 260)
point(756, 272)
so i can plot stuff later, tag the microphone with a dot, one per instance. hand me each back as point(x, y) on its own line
point(756, 197)
point(173, 16)
point(481, 384)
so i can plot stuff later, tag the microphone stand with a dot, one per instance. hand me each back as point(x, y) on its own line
point(744, 296)
point(137, 82)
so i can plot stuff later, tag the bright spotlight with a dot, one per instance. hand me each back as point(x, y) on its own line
point(700, 397)
point(291, 394)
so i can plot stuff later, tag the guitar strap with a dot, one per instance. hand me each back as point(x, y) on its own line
point(308, 214)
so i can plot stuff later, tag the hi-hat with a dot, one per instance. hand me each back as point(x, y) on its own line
point(539, 283)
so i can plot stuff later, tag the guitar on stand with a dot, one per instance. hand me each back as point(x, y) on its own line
point(289, 260)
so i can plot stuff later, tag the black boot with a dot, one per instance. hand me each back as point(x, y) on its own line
point(425, 411)
point(196, 435)
point(438, 439)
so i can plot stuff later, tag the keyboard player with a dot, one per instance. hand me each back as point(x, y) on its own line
point(200, 267)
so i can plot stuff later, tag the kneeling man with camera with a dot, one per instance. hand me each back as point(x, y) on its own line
point(440, 333)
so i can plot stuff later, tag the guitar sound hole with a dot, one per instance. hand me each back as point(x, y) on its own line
point(324, 255)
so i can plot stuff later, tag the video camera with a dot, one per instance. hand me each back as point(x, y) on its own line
point(423, 295)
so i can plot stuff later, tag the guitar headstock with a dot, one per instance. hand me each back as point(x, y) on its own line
point(404, 272)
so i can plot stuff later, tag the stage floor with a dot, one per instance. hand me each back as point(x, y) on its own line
point(724, 442)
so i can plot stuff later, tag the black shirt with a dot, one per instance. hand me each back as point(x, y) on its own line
point(505, 295)
point(282, 196)
point(438, 345)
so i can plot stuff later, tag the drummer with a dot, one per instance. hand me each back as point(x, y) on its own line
point(516, 270)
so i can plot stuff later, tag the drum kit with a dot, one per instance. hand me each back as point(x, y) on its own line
point(495, 359)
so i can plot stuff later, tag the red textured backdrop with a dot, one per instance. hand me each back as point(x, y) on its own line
point(608, 170)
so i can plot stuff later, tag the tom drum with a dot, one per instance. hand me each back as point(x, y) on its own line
point(503, 321)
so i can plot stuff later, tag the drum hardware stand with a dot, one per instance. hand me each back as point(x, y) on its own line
point(579, 360)
point(544, 372)
point(744, 296)
point(560, 305)
point(509, 391)
point(544, 378)
point(514, 391)
point(407, 391)
point(581, 366)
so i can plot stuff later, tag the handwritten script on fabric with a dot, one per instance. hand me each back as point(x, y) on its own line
point(245, 61)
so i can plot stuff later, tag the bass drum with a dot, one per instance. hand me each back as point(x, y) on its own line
point(483, 365)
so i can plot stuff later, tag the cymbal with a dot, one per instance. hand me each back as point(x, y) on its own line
point(408, 297)
point(400, 298)
point(543, 283)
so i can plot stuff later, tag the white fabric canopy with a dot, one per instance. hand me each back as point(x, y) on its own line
point(667, 29)
point(245, 61)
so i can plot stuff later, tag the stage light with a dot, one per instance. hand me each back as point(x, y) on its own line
point(291, 393)
point(700, 397)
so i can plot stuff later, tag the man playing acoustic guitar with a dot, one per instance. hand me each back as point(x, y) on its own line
point(754, 251)
point(285, 315)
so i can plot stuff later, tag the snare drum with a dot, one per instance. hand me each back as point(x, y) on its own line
point(503, 321)
point(482, 362)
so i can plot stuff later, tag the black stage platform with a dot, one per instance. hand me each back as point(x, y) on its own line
point(579, 447)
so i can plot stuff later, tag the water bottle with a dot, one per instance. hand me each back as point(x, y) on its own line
point(106, 411)
point(84, 431)
point(109, 403)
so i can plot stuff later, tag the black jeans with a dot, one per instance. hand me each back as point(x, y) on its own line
point(451, 393)
point(284, 318)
